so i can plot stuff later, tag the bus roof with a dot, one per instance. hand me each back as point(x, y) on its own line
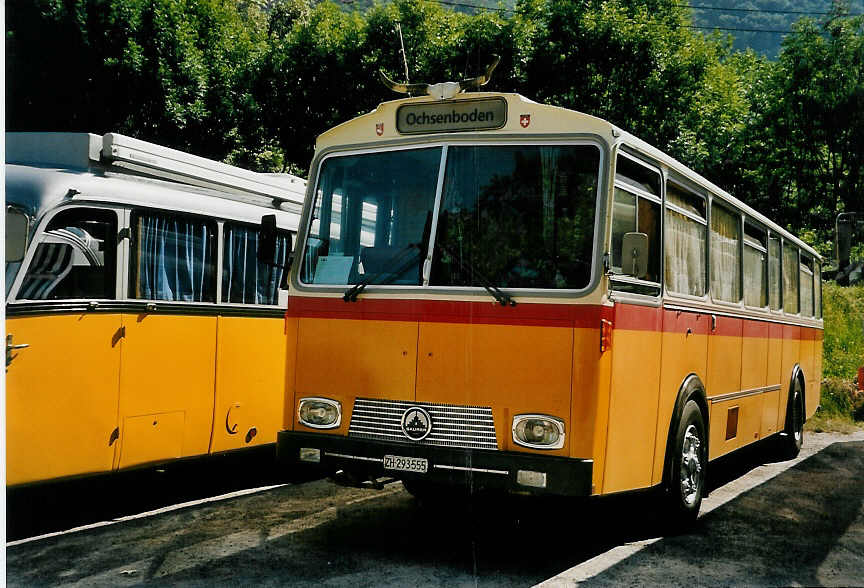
point(119, 154)
point(522, 116)
point(38, 189)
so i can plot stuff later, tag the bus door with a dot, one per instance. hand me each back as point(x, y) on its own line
point(63, 351)
point(169, 348)
point(251, 347)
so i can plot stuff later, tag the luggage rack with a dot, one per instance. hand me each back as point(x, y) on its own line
point(114, 152)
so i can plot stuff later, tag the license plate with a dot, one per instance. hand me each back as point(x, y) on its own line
point(406, 464)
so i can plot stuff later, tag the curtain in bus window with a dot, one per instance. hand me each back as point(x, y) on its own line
point(174, 259)
point(685, 254)
point(517, 216)
point(725, 256)
point(246, 280)
point(790, 279)
point(817, 291)
point(754, 273)
point(806, 280)
point(774, 277)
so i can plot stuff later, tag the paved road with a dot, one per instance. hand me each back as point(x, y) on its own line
point(782, 523)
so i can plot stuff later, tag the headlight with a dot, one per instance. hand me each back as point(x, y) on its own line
point(538, 431)
point(320, 413)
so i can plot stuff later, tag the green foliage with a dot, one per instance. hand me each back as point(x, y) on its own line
point(255, 82)
point(843, 346)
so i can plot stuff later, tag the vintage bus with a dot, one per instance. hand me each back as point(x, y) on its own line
point(144, 305)
point(499, 293)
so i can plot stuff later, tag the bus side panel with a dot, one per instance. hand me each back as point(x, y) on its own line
point(812, 372)
point(61, 396)
point(524, 368)
point(633, 398)
point(289, 402)
point(772, 415)
point(814, 389)
point(250, 382)
point(684, 352)
point(167, 375)
point(790, 356)
point(724, 375)
point(586, 389)
point(601, 410)
point(344, 359)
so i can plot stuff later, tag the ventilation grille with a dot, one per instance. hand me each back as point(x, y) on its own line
point(469, 427)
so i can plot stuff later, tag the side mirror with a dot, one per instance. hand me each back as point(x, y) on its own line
point(267, 244)
point(17, 226)
point(634, 255)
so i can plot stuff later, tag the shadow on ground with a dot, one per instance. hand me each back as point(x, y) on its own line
point(779, 533)
point(58, 506)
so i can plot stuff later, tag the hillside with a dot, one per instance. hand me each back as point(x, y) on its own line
point(753, 24)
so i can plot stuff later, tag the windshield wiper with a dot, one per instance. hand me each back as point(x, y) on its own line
point(499, 295)
point(351, 293)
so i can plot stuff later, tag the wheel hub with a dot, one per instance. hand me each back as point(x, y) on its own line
point(691, 465)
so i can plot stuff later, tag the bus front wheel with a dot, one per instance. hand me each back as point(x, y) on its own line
point(686, 484)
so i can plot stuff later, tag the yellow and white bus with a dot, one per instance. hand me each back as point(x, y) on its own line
point(144, 305)
point(500, 293)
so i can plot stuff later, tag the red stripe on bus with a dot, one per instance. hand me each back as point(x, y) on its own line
point(623, 316)
point(448, 311)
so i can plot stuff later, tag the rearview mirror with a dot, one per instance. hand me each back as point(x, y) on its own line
point(267, 244)
point(634, 255)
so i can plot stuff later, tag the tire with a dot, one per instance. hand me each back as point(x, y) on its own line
point(685, 486)
point(792, 437)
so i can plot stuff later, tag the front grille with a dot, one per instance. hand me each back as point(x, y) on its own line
point(470, 427)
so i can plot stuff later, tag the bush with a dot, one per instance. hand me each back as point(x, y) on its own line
point(843, 351)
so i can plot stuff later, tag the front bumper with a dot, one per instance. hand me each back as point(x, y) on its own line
point(481, 469)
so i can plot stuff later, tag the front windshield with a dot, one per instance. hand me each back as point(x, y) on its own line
point(372, 215)
point(512, 216)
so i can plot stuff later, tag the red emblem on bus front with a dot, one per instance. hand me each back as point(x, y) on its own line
point(524, 120)
point(379, 128)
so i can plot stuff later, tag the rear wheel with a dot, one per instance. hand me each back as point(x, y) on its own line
point(793, 435)
point(686, 483)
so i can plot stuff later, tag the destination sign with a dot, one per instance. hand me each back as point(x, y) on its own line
point(449, 117)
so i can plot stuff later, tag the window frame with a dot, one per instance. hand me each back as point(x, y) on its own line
point(684, 185)
point(637, 193)
point(574, 139)
point(735, 213)
point(748, 221)
point(793, 246)
point(133, 213)
point(38, 233)
point(221, 222)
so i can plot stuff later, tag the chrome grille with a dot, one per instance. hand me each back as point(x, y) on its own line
point(470, 427)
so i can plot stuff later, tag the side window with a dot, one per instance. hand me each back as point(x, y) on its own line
point(245, 279)
point(636, 209)
point(685, 241)
point(775, 279)
point(173, 258)
point(790, 278)
point(725, 254)
point(817, 290)
point(805, 270)
point(76, 258)
point(755, 267)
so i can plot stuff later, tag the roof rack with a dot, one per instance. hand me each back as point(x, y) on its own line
point(116, 152)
